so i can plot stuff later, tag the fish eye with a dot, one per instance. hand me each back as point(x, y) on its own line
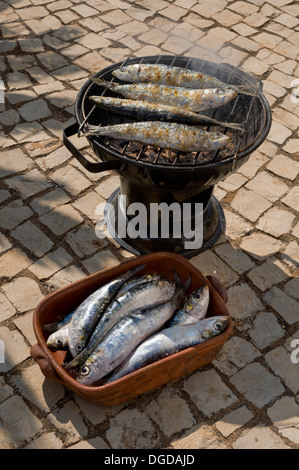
point(79, 347)
point(59, 342)
point(84, 371)
point(218, 325)
point(168, 282)
point(197, 296)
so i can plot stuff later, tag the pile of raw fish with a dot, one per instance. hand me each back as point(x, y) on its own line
point(167, 100)
point(130, 322)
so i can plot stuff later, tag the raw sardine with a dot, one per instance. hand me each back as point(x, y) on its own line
point(169, 341)
point(124, 337)
point(59, 339)
point(143, 110)
point(90, 310)
point(194, 309)
point(139, 297)
point(174, 76)
point(180, 137)
point(179, 97)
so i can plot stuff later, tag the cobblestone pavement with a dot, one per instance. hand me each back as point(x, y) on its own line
point(248, 396)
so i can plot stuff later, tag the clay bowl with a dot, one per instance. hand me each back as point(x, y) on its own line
point(164, 371)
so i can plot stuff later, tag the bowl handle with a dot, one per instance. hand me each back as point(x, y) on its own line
point(44, 363)
point(90, 166)
point(219, 287)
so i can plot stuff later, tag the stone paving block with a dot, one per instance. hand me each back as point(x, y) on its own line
point(161, 409)
point(13, 262)
point(265, 330)
point(17, 422)
point(9, 118)
point(208, 392)
point(243, 303)
point(69, 32)
point(38, 27)
point(14, 161)
point(7, 309)
point(236, 259)
point(71, 180)
point(276, 222)
point(233, 182)
point(29, 183)
point(64, 277)
point(61, 219)
point(95, 413)
point(88, 205)
point(101, 260)
point(291, 147)
point(69, 421)
point(250, 204)
point(43, 204)
point(30, 236)
point(4, 243)
point(234, 420)
point(208, 263)
point(32, 12)
point(292, 288)
point(95, 443)
point(199, 437)
point(271, 272)
point(257, 384)
point(259, 437)
point(44, 393)
point(279, 133)
point(52, 60)
point(283, 304)
point(23, 292)
point(268, 186)
point(132, 429)
point(5, 390)
point(260, 245)
point(47, 440)
point(51, 263)
point(13, 214)
point(284, 414)
point(292, 198)
point(29, 132)
point(234, 355)
point(279, 360)
point(15, 349)
point(25, 326)
point(236, 226)
point(84, 242)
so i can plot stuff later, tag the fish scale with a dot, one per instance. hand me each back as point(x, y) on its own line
point(169, 341)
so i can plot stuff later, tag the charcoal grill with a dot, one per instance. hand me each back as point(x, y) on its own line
point(148, 174)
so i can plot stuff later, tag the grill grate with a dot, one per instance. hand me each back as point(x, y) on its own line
point(243, 109)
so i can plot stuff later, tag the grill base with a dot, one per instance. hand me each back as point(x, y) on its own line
point(213, 227)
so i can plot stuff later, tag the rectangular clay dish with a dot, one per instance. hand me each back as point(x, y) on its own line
point(164, 371)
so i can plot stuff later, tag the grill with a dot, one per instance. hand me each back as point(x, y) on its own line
point(148, 174)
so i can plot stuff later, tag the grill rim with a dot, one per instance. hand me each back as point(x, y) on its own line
point(103, 149)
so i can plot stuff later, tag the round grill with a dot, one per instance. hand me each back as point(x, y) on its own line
point(252, 111)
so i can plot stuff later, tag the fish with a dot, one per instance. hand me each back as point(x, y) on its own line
point(90, 310)
point(143, 295)
point(143, 110)
point(124, 337)
point(185, 98)
point(59, 339)
point(59, 324)
point(169, 341)
point(194, 309)
point(179, 137)
point(134, 281)
point(174, 76)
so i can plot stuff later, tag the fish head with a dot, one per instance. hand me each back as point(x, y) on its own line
point(59, 339)
point(215, 326)
point(89, 373)
point(127, 73)
point(197, 304)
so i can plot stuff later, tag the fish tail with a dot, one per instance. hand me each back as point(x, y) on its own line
point(232, 125)
point(103, 83)
point(51, 327)
point(244, 90)
point(177, 279)
point(76, 361)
